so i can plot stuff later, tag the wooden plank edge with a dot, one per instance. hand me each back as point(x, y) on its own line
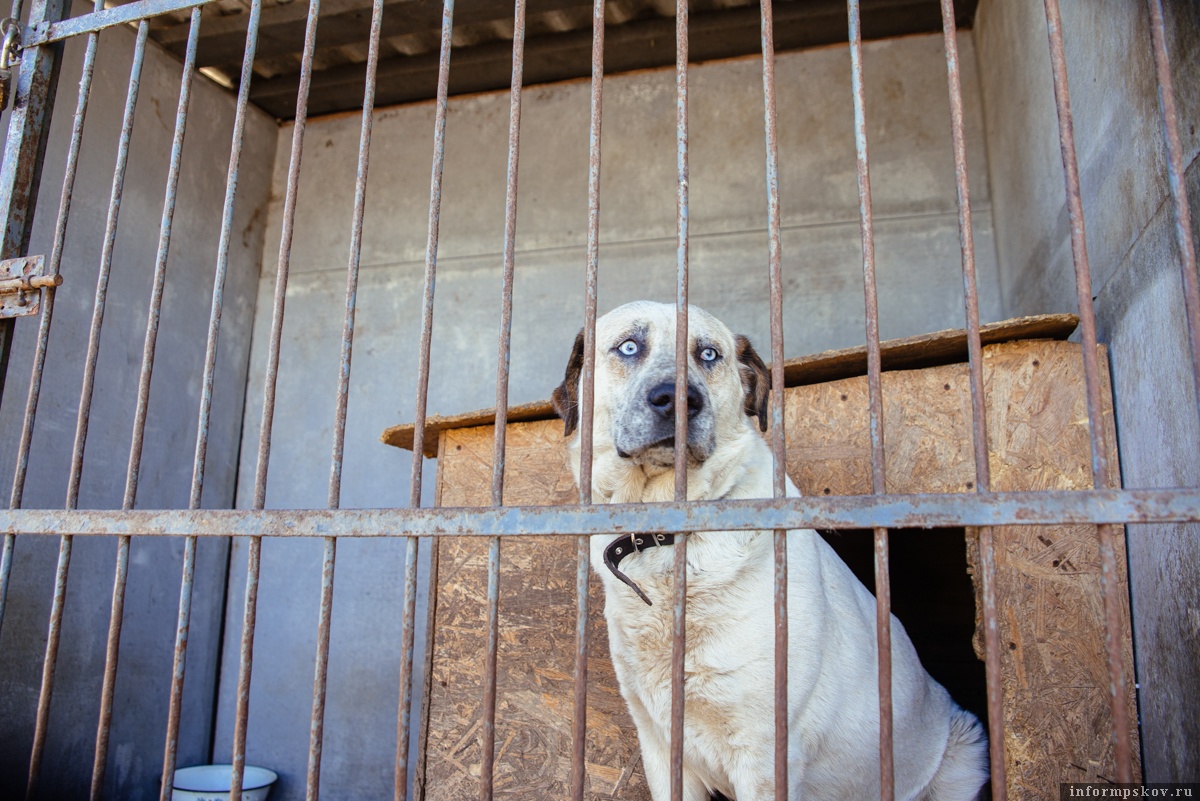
point(402, 435)
point(908, 353)
point(924, 350)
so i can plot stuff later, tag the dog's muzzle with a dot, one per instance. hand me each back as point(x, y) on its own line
point(644, 428)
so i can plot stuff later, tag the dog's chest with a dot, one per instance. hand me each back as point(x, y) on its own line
point(720, 652)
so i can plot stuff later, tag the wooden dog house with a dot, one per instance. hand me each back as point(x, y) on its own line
point(1057, 722)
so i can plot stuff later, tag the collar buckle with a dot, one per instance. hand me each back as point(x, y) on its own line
point(621, 547)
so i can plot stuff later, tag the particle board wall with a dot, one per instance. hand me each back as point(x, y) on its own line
point(1054, 677)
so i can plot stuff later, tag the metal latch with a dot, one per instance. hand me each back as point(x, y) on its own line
point(10, 55)
point(21, 282)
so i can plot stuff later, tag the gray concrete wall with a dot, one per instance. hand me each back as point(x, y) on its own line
point(919, 277)
point(1135, 276)
point(140, 708)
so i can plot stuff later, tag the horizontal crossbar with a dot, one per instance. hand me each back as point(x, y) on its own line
point(840, 512)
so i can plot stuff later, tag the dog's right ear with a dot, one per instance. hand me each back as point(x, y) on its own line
point(566, 395)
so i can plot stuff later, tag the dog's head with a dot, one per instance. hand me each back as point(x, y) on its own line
point(635, 384)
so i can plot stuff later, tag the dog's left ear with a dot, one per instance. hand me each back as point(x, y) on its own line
point(566, 395)
point(756, 380)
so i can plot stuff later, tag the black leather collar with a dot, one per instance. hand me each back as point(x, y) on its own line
point(621, 547)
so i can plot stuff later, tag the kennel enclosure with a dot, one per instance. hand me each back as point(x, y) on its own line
point(56, 682)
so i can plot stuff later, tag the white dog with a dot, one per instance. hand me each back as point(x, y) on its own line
point(833, 706)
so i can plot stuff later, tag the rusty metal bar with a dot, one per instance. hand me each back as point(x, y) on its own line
point(6, 560)
point(160, 264)
point(407, 636)
point(27, 283)
point(285, 256)
point(112, 647)
point(404, 714)
point(85, 401)
point(143, 401)
point(1118, 690)
point(245, 666)
point(1040, 508)
point(352, 266)
point(102, 18)
point(778, 439)
point(774, 258)
point(883, 599)
point(681, 247)
point(245, 670)
point(106, 258)
point(488, 735)
point(488, 731)
point(222, 267)
point(49, 664)
point(679, 575)
point(1083, 276)
point(329, 554)
point(1175, 180)
point(509, 267)
point(316, 734)
point(978, 410)
point(883, 629)
point(47, 315)
point(182, 627)
point(587, 384)
point(183, 624)
point(579, 709)
point(34, 88)
point(17, 7)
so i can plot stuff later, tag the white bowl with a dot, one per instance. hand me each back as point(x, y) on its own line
point(211, 783)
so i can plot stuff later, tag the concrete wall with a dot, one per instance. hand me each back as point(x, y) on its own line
point(919, 278)
point(1135, 277)
point(140, 709)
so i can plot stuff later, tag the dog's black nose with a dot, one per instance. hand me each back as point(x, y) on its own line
point(662, 399)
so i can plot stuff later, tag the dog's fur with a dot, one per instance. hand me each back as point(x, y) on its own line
point(833, 706)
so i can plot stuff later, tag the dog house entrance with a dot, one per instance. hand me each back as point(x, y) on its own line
point(934, 597)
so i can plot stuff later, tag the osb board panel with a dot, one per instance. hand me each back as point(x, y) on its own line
point(1054, 674)
point(1049, 599)
point(925, 350)
point(1051, 618)
point(536, 653)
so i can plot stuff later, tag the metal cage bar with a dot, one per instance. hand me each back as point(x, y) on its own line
point(254, 546)
point(1175, 181)
point(101, 18)
point(929, 510)
point(679, 572)
point(883, 595)
point(404, 713)
point(1118, 691)
point(778, 438)
point(587, 383)
point(81, 426)
point(47, 315)
point(142, 405)
point(329, 546)
point(503, 358)
point(106, 260)
point(983, 481)
point(187, 578)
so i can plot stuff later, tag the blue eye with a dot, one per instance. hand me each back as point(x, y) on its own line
point(709, 354)
point(628, 347)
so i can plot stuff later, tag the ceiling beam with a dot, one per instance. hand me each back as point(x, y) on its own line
point(634, 45)
point(281, 28)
